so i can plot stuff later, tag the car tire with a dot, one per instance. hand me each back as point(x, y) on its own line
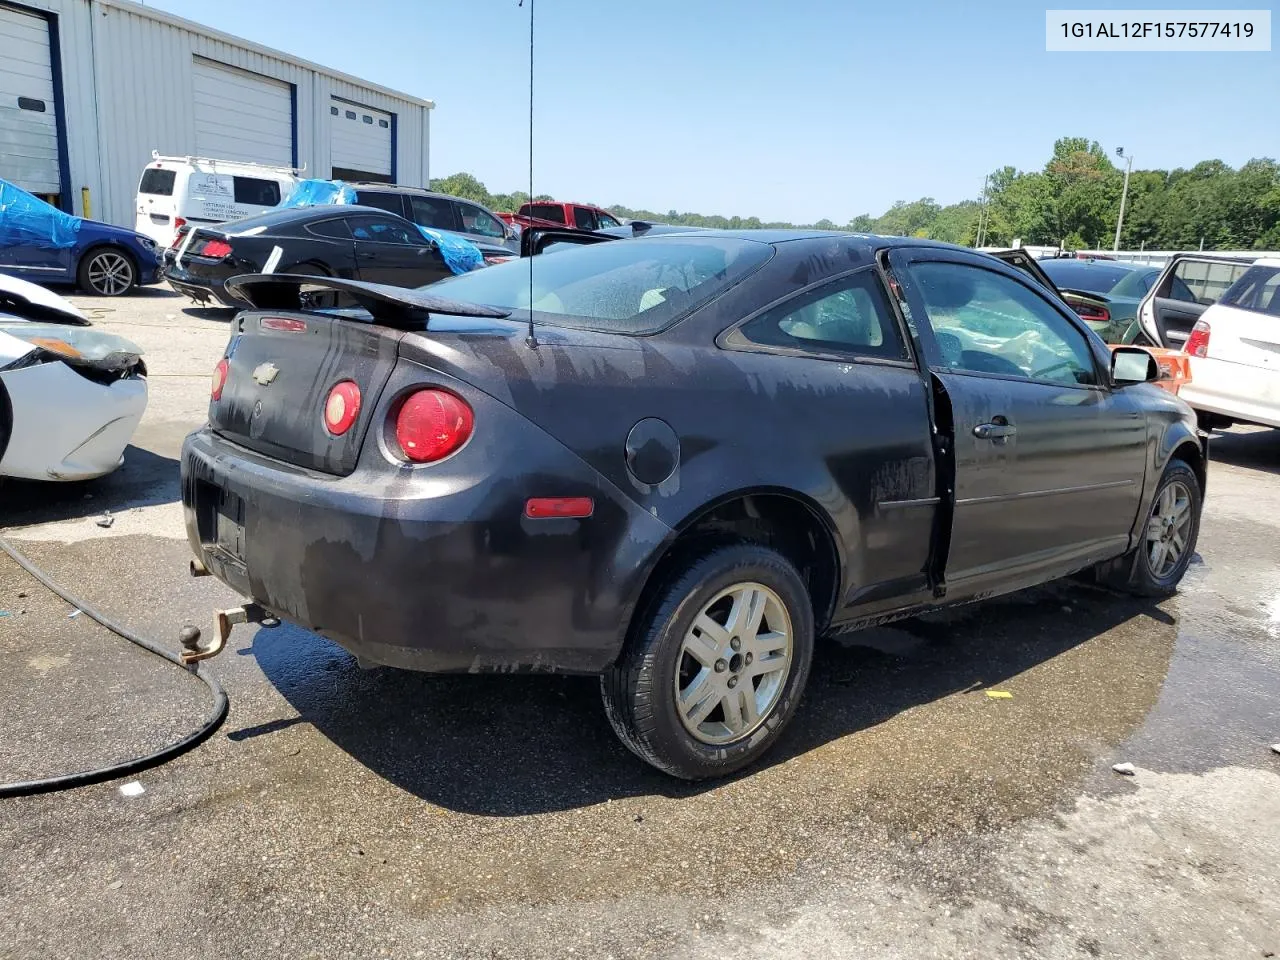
point(318, 301)
point(671, 661)
point(107, 272)
point(1149, 570)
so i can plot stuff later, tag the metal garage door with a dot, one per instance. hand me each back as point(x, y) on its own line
point(359, 142)
point(241, 115)
point(28, 124)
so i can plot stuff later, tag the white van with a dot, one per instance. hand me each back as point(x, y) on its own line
point(199, 190)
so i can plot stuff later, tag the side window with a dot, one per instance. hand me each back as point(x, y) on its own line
point(255, 190)
point(985, 322)
point(378, 230)
point(585, 219)
point(475, 220)
point(547, 211)
point(849, 315)
point(606, 220)
point(390, 202)
point(336, 229)
point(434, 212)
point(1206, 281)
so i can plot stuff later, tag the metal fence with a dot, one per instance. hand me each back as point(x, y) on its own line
point(1156, 258)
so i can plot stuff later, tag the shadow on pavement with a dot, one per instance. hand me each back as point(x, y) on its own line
point(1255, 449)
point(145, 479)
point(216, 314)
point(511, 745)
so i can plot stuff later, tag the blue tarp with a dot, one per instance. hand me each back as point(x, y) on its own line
point(460, 254)
point(314, 193)
point(26, 221)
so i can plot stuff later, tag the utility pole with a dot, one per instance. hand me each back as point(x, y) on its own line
point(1124, 195)
point(982, 213)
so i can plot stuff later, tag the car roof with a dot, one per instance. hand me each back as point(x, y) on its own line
point(370, 185)
point(288, 215)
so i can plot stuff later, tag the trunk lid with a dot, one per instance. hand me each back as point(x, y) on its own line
point(281, 367)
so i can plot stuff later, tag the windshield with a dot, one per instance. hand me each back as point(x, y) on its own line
point(1081, 275)
point(1258, 289)
point(625, 286)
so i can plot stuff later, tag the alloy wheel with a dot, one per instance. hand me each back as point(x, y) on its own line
point(110, 274)
point(733, 663)
point(1168, 529)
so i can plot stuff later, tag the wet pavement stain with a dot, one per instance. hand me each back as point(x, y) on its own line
point(336, 795)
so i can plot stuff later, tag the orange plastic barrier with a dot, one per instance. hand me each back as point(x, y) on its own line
point(1175, 368)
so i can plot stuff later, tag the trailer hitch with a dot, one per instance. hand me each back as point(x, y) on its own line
point(223, 620)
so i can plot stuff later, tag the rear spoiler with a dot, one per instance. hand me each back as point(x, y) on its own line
point(390, 306)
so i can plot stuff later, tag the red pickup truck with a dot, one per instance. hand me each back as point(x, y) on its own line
point(580, 216)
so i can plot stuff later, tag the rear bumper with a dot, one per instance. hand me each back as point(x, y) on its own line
point(432, 569)
point(1245, 393)
point(200, 286)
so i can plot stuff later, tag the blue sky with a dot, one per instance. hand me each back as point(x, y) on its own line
point(785, 110)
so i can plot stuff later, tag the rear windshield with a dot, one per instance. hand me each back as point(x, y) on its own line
point(157, 182)
point(1089, 277)
point(546, 211)
point(1258, 289)
point(624, 286)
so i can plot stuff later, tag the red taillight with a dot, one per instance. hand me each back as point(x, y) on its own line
point(546, 508)
point(1198, 343)
point(179, 223)
point(342, 407)
point(219, 379)
point(1094, 314)
point(215, 249)
point(432, 424)
point(283, 324)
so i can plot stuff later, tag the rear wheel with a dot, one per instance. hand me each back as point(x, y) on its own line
point(321, 300)
point(1167, 541)
point(716, 664)
point(106, 272)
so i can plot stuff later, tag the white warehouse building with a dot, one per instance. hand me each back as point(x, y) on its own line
point(89, 88)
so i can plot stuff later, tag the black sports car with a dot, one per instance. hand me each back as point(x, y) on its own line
point(677, 460)
point(349, 242)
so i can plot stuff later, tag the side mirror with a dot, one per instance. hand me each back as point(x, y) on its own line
point(1133, 365)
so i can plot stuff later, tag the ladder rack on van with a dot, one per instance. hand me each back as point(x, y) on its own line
point(155, 155)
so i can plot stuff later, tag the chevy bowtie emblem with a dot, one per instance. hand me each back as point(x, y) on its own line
point(264, 373)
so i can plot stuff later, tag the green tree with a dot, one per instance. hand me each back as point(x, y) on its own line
point(462, 185)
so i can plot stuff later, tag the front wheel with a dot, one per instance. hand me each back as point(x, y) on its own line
point(715, 665)
point(107, 272)
point(1167, 542)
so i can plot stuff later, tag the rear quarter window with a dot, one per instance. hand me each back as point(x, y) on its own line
point(157, 183)
point(256, 191)
point(633, 287)
point(390, 202)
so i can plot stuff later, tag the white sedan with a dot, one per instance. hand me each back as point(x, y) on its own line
point(70, 396)
point(1233, 343)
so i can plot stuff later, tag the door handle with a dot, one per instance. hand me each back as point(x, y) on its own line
point(998, 430)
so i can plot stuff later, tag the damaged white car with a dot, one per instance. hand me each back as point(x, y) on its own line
point(70, 396)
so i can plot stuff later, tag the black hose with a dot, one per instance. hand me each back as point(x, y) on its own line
point(137, 764)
